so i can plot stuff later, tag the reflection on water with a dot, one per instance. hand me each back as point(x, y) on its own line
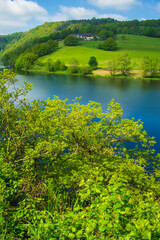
point(150, 84)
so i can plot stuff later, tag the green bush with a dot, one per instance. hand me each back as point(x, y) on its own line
point(109, 44)
point(85, 70)
point(70, 40)
point(66, 172)
point(122, 65)
point(93, 62)
point(74, 66)
point(55, 66)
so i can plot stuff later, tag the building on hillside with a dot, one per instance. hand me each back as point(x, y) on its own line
point(88, 36)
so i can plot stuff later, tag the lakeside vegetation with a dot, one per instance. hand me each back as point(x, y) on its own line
point(72, 171)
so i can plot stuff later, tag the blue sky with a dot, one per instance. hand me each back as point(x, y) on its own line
point(22, 15)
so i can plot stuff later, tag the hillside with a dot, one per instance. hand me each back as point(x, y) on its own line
point(137, 47)
point(101, 27)
point(31, 51)
point(37, 32)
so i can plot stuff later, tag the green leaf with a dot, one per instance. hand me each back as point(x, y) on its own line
point(147, 235)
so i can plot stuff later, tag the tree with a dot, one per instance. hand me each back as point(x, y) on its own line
point(112, 66)
point(109, 45)
point(74, 66)
point(25, 61)
point(85, 70)
point(124, 64)
point(150, 67)
point(93, 62)
point(64, 33)
point(50, 65)
point(44, 48)
point(150, 31)
point(70, 40)
point(57, 65)
point(63, 67)
point(104, 34)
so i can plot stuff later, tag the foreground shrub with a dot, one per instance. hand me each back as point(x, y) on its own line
point(67, 171)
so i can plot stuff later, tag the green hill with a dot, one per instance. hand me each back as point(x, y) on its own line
point(135, 46)
point(107, 26)
point(141, 39)
point(27, 37)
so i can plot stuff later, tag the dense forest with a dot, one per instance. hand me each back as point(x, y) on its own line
point(37, 40)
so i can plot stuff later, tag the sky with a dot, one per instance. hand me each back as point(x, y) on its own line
point(22, 15)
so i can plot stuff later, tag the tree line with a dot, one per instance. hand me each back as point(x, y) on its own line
point(150, 67)
point(146, 27)
point(25, 55)
point(73, 68)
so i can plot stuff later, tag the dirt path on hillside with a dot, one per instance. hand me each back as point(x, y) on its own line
point(105, 72)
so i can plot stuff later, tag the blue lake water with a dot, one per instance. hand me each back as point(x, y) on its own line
point(139, 99)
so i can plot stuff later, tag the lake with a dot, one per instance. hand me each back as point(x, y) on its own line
point(139, 98)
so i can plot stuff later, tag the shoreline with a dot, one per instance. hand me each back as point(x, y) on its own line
point(103, 73)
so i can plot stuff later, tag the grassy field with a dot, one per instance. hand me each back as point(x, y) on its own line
point(136, 47)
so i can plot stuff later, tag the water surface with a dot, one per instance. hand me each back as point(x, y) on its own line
point(139, 98)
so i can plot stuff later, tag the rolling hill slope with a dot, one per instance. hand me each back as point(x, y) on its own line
point(137, 47)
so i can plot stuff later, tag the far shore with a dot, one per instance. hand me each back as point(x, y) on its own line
point(100, 72)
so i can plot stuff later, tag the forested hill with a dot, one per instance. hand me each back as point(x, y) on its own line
point(41, 37)
point(12, 41)
point(100, 27)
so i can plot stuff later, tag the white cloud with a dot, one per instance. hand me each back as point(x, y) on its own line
point(22, 15)
point(67, 13)
point(17, 13)
point(73, 13)
point(111, 15)
point(115, 4)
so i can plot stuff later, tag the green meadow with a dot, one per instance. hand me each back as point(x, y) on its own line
point(137, 47)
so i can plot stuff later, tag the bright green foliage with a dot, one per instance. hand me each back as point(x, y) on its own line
point(25, 61)
point(68, 173)
point(122, 65)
